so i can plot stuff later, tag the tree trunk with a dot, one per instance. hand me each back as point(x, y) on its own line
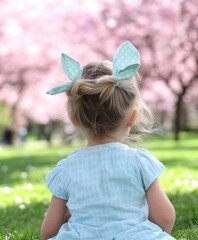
point(178, 114)
point(177, 124)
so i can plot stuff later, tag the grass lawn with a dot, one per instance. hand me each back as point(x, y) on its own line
point(24, 197)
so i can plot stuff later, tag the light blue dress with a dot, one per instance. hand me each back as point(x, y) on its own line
point(105, 188)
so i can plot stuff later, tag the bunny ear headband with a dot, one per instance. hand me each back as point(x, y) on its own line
point(126, 63)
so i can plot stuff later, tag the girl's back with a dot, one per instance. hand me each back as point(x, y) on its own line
point(105, 185)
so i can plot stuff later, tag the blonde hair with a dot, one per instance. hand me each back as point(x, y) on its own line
point(99, 104)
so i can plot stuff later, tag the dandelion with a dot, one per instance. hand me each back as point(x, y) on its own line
point(8, 237)
point(29, 187)
point(23, 175)
point(22, 206)
point(178, 182)
point(194, 183)
point(18, 199)
point(6, 189)
point(186, 182)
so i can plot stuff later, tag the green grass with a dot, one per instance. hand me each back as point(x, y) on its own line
point(24, 197)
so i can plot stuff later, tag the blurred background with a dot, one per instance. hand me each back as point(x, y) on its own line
point(33, 34)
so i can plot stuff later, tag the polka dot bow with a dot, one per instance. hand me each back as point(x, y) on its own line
point(126, 63)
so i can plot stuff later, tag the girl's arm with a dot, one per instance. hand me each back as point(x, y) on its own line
point(56, 215)
point(161, 211)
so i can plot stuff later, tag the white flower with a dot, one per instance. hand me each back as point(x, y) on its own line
point(18, 199)
point(22, 206)
point(6, 189)
point(29, 187)
point(186, 182)
point(23, 175)
point(194, 183)
point(178, 182)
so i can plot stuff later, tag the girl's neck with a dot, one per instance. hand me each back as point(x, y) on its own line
point(93, 142)
point(116, 137)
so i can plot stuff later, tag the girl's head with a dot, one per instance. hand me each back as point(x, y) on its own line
point(104, 95)
point(100, 105)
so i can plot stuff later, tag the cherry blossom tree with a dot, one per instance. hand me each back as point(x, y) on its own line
point(166, 34)
point(176, 55)
point(31, 40)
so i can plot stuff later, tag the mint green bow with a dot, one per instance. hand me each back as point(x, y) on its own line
point(126, 63)
point(72, 69)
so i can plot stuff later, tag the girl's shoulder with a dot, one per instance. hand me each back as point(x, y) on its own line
point(147, 165)
point(141, 155)
point(145, 157)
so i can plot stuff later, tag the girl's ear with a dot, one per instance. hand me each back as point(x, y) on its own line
point(132, 118)
point(74, 121)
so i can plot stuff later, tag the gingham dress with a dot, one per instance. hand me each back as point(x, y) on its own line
point(105, 188)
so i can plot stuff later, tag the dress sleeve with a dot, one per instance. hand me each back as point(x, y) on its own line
point(150, 167)
point(55, 182)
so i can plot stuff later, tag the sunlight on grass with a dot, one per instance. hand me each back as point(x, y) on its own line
point(25, 198)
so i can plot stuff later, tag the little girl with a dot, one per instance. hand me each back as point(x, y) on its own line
point(107, 190)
